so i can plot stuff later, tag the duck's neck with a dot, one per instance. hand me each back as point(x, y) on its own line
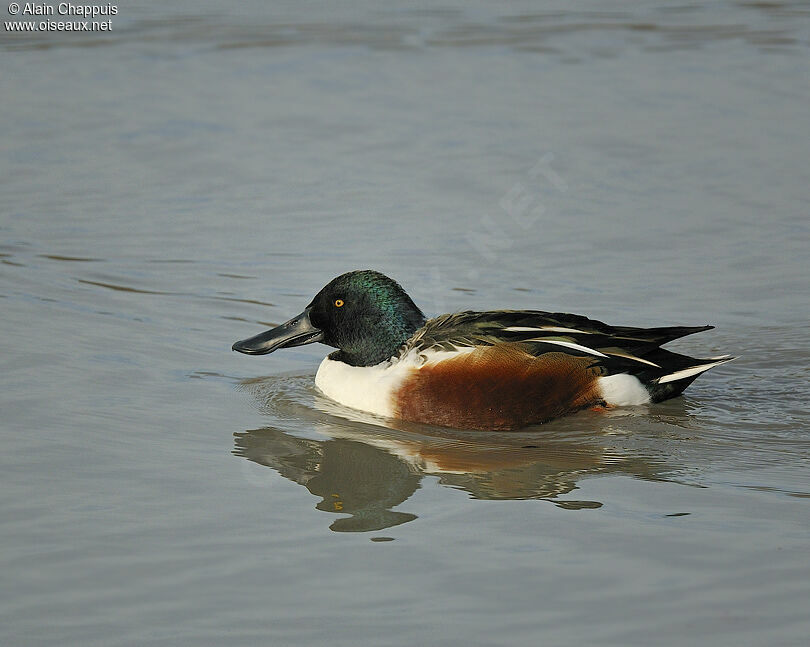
point(381, 341)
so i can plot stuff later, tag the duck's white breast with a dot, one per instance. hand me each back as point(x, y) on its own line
point(374, 388)
point(367, 388)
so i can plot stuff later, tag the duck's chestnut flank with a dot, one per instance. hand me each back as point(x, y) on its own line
point(498, 387)
point(500, 369)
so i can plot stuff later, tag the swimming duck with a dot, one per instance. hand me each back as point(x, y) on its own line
point(494, 370)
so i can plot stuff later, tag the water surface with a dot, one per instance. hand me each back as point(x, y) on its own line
point(199, 173)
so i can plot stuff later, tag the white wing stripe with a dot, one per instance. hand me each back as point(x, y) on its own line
point(544, 329)
point(569, 344)
point(688, 372)
point(633, 358)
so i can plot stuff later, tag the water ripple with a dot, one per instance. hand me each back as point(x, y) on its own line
point(768, 26)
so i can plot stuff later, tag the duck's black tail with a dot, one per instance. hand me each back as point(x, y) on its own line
point(680, 372)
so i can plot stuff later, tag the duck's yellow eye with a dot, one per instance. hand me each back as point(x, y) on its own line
point(338, 303)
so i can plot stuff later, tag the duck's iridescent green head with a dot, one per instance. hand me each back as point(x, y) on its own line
point(364, 314)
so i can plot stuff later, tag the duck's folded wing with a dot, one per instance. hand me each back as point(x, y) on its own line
point(542, 332)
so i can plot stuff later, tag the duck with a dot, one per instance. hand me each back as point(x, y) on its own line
point(497, 370)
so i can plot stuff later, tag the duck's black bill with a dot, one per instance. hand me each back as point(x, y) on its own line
point(296, 332)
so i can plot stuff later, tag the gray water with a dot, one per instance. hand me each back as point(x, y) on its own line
point(202, 170)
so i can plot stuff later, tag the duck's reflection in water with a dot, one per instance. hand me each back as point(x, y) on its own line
point(350, 477)
point(364, 470)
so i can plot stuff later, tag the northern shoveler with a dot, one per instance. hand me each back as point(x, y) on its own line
point(495, 370)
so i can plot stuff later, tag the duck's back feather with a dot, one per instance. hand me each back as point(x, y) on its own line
point(470, 328)
point(616, 348)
